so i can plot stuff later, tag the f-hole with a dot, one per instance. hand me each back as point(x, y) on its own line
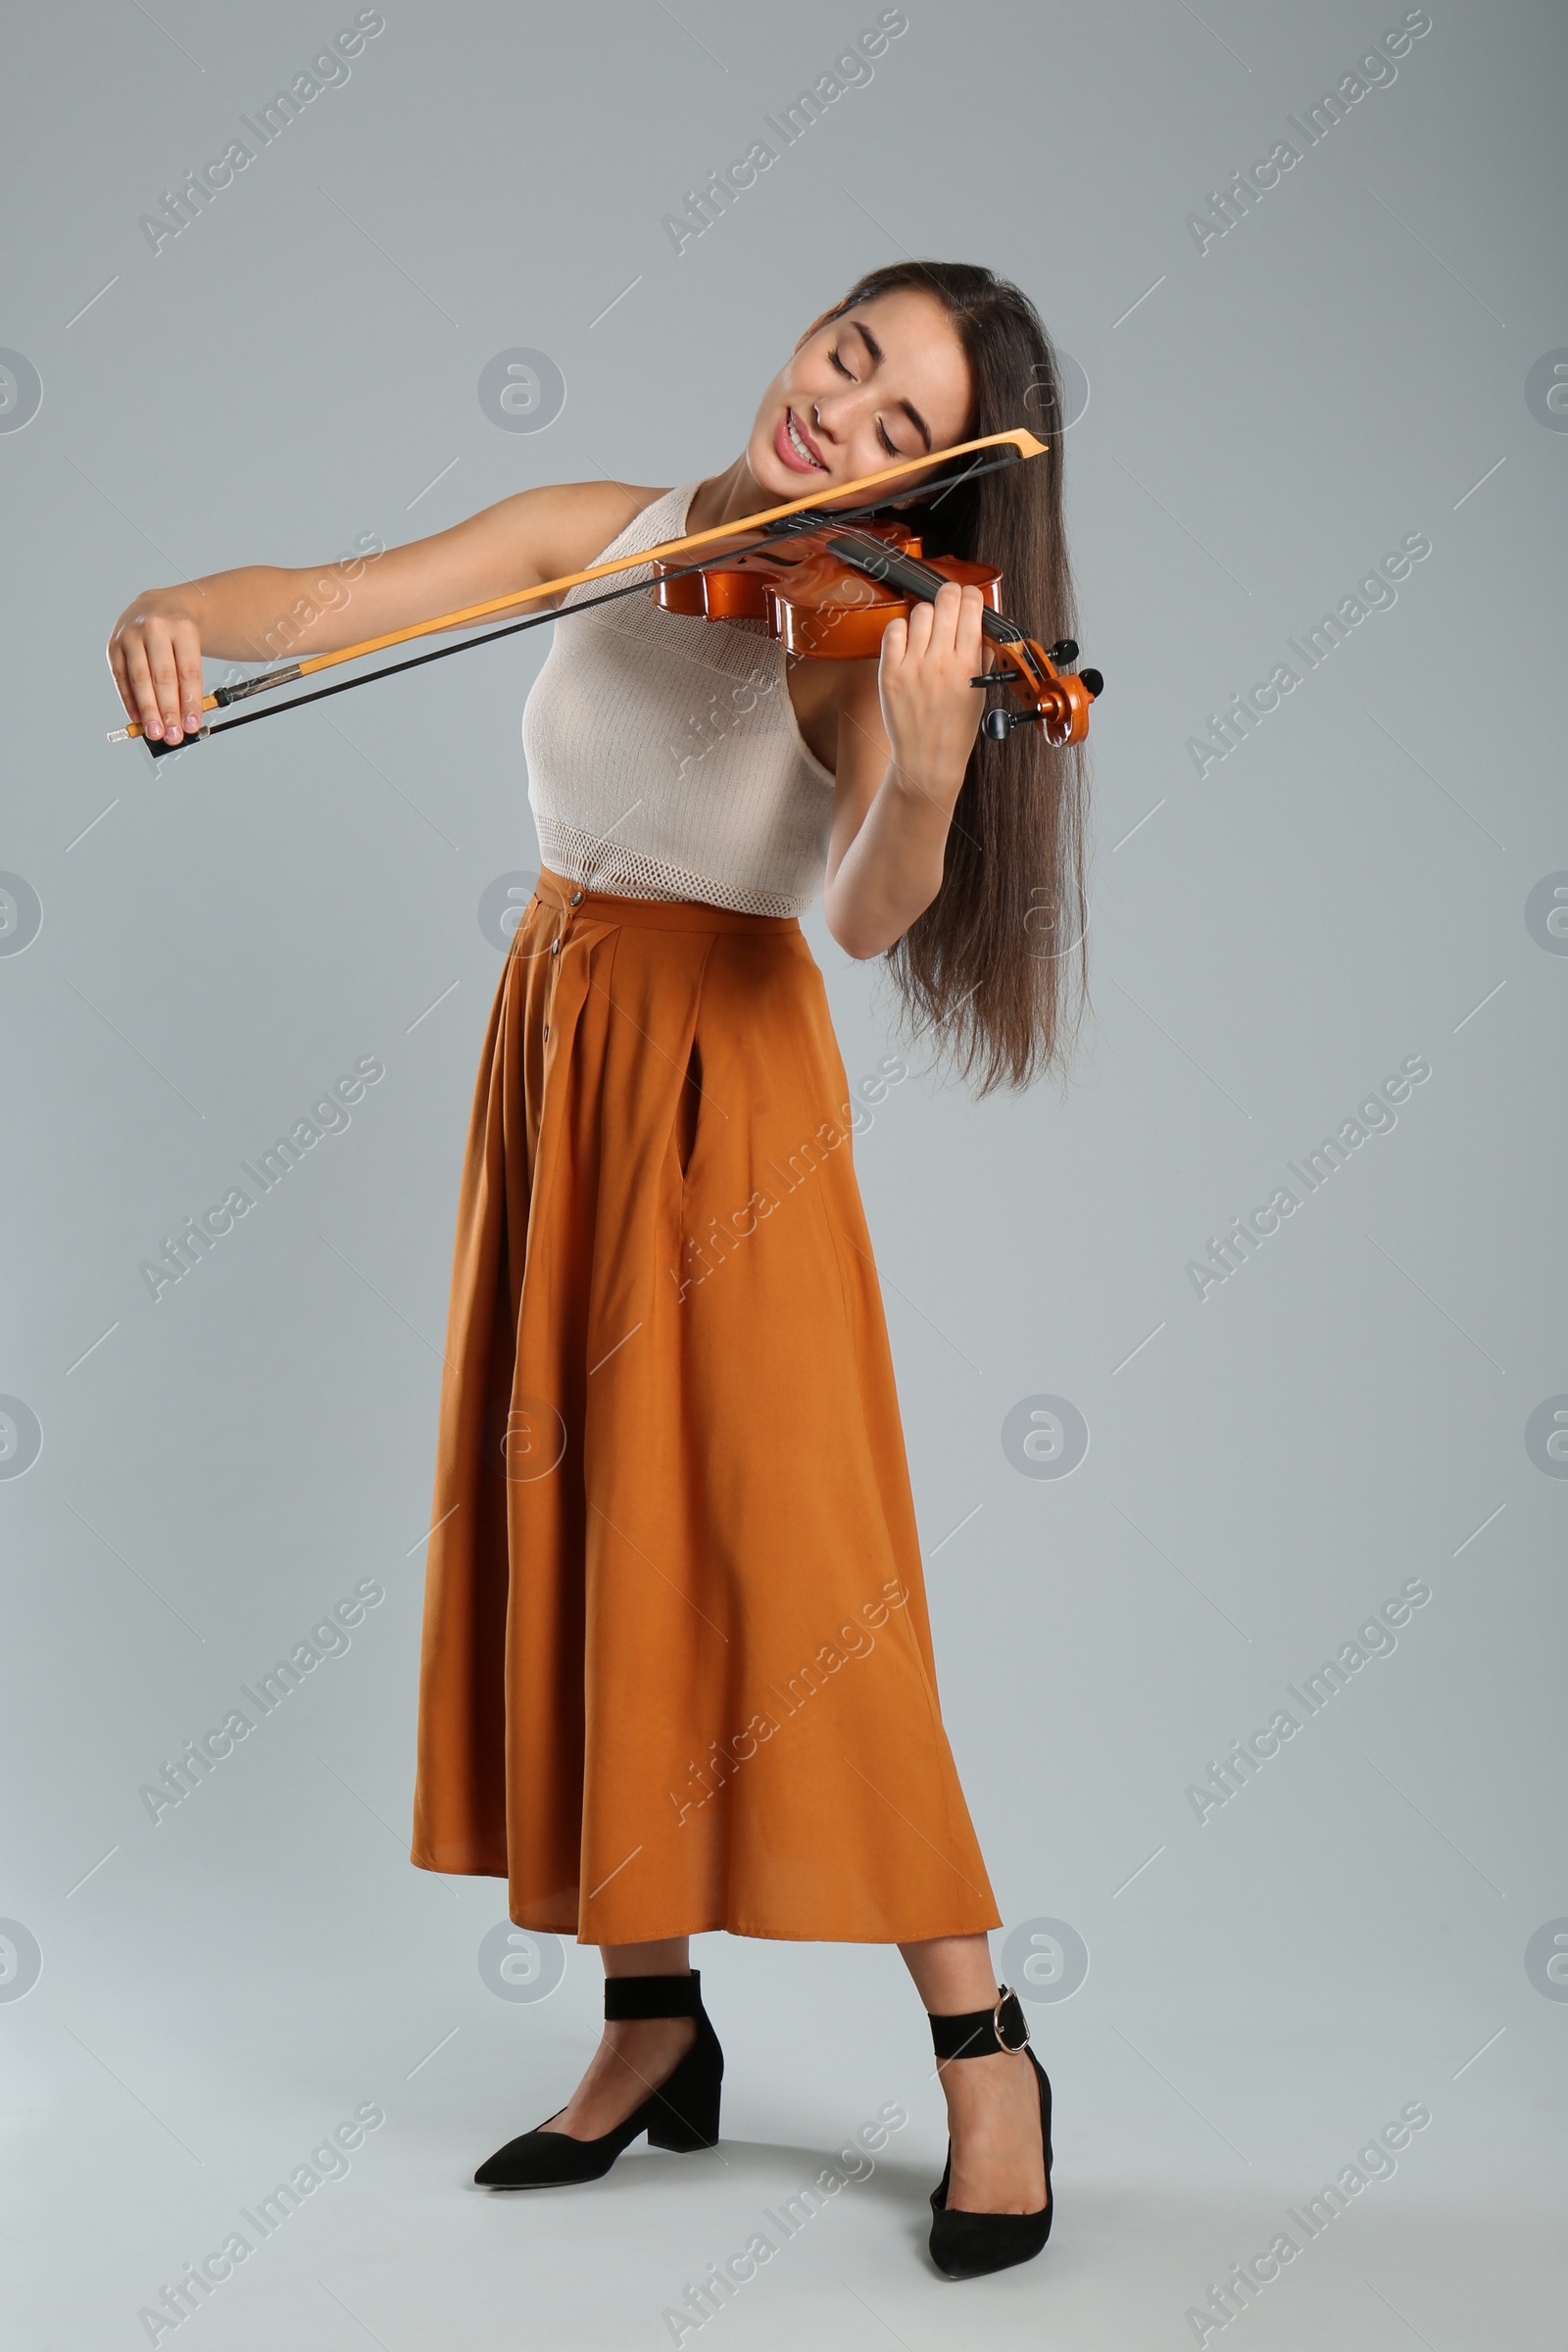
point(691, 1094)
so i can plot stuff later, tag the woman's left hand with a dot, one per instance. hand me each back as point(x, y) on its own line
point(929, 709)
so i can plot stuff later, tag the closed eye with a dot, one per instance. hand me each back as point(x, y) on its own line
point(881, 428)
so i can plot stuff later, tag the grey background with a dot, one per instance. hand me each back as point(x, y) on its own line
point(224, 933)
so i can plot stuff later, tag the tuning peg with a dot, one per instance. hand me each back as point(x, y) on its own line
point(1066, 648)
point(1094, 681)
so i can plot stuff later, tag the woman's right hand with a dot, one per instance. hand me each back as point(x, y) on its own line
point(262, 613)
point(155, 652)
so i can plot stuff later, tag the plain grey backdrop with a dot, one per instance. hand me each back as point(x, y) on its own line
point(1232, 1997)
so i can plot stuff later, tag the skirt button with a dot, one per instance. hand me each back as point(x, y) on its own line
point(555, 947)
point(547, 1028)
point(576, 898)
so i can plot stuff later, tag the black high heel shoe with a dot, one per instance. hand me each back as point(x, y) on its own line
point(681, 2114)
point(965, 2246)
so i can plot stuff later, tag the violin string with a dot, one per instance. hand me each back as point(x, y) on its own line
point(996, 626)
point(537, 620)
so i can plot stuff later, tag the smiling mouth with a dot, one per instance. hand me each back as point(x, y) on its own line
point(799, 443)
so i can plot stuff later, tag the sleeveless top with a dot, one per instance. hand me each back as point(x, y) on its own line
point(664, 757)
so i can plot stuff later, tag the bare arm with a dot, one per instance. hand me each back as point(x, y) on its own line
point(906, 732)
point(156, 648)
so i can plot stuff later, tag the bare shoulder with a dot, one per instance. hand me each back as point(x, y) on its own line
point(569, 524)
point(532, 536)
point(599, 511)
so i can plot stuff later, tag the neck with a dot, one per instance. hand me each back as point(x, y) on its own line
point(728, 497)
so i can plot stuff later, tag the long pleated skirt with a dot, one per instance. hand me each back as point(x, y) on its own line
point(676, 1670)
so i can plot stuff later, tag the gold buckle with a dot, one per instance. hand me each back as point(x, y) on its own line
point(1010, 2047)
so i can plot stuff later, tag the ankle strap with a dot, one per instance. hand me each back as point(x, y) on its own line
point(655, 1996)
point(980, 2033)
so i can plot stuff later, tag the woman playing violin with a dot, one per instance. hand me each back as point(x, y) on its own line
point(677, 1671)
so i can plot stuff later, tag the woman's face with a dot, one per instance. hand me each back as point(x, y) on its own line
point(886, 382)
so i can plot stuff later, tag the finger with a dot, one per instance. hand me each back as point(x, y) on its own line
point(142, 688)
point(187, 651)
point(165, 677)
point(919, 628)
point(971, 614)
point(945, 612)
point(895, 642)
point(117, 671)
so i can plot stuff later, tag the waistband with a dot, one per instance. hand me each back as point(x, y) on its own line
point(654, 915)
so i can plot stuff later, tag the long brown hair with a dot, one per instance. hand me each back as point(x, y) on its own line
point(995, 967)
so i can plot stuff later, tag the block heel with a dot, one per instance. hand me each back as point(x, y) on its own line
point(686, 2120)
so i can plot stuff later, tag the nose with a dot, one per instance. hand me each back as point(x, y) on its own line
point(826, 419)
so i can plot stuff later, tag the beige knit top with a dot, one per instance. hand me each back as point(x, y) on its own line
point(665, 760)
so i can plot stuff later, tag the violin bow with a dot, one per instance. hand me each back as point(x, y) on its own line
point(1018, 445)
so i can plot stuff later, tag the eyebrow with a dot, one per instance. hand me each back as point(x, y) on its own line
point(907, 405)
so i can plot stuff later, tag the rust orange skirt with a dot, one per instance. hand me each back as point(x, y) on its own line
point(676, 1670)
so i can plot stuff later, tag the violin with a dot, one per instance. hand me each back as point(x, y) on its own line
point(830, 591)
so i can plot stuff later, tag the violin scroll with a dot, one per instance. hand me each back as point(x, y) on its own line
point(1054, 699)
